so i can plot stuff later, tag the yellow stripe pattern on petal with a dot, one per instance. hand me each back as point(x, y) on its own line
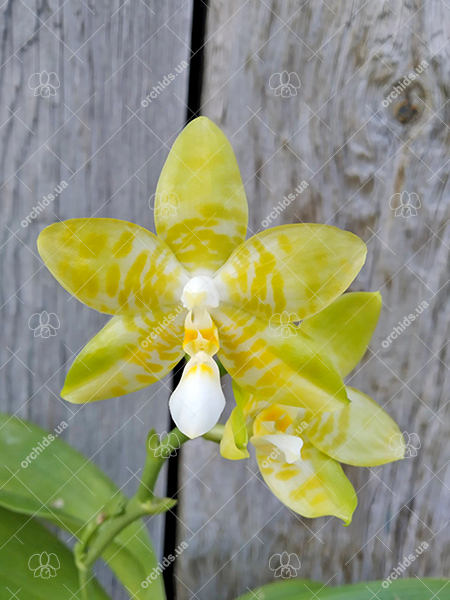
point(201, 182)
point(361, 434)
point(297, 270)
point(113, 266)
point(314, 487)
point(282, 370)
point(131, 352)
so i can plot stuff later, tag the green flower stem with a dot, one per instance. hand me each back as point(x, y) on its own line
point(215, 434)
point(144, 503)
point(157, 454)
point(86, 582)
point(133, 510)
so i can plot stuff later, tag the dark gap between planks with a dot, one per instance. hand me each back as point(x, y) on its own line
point(200, 8)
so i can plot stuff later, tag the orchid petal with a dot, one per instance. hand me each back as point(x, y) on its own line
point(128, 354)
point(113, 266)
point(300, 269)
point(235, 437)
point(211, 220)
point(314, 486)
point(282, 370)
point(343, 330)
point(360, 434)
point(288, 445)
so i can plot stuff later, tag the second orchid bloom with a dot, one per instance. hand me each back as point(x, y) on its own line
point(298, 450)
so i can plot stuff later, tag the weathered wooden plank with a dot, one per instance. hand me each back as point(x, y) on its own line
point(355, 154)
point(107, 56)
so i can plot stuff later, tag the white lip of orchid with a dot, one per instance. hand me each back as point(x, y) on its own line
point(200, 292)
point(198, 400)
point(289, 445)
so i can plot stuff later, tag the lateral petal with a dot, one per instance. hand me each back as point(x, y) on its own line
point(284, 370)
point(113, 266)
point(299, 269)
point(360, 434)
point(131, 352)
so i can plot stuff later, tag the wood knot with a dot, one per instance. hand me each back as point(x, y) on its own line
point(406, 111)
point(406, 105)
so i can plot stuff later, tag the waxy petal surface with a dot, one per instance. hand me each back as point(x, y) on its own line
point(233, 444)
point(198, 401)
point(315, 486)
point(343, 330)
point(293, 269)
point(360, 434)
point(113, 266)
point(131, 352)
point(281, 369)
point(210, 218)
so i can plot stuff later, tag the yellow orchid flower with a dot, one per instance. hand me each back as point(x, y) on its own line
point(198, 287)
point(299, 452)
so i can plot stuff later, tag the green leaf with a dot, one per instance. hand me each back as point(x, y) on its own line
point(294, 589)
point(23, 538)
point(60, 484)
point(402, 589)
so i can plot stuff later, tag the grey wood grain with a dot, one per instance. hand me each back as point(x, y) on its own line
point(355, 154)
point(107, 57)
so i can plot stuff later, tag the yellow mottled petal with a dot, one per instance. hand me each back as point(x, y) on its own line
point(315, 486)
point(280, 369)
point(361, 434)
point(291, 272)
point(209, 216)
point(131, 352)
point(343, 330)
point(235, 437)
point(113, 266)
